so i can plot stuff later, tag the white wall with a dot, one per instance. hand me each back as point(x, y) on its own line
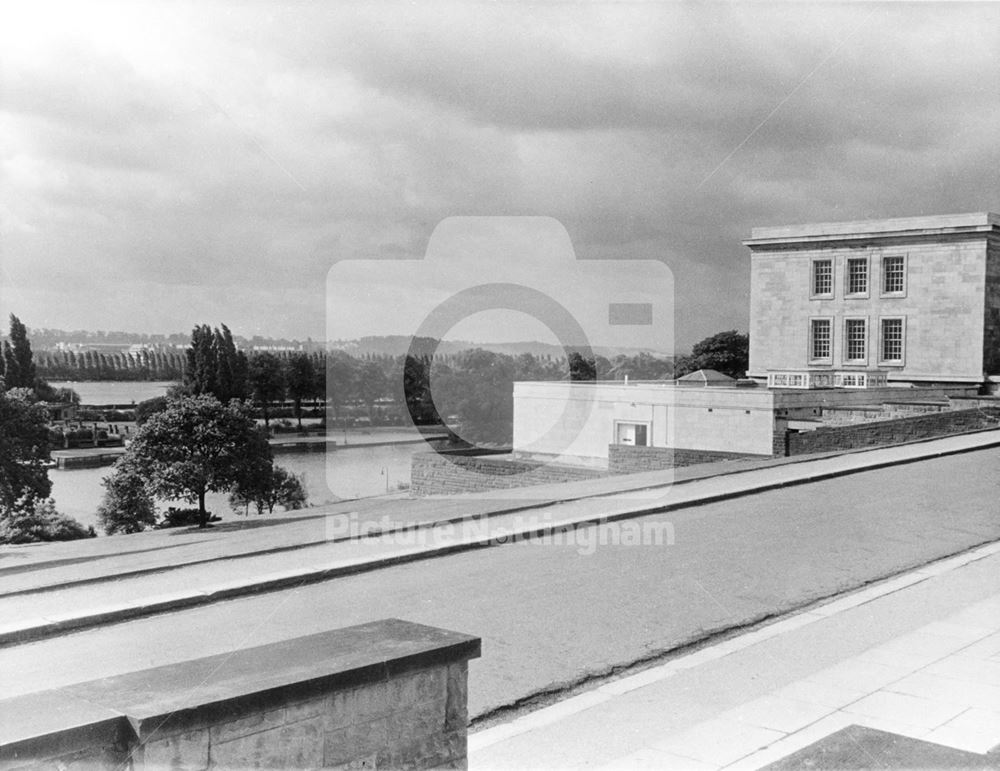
point(578, 419)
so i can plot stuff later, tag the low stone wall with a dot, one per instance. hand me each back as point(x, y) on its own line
point(625, 459)
point(388, 694)
point(886, 432)
point(432, 473)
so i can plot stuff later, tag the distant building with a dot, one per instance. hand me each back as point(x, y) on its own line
point(913, 300)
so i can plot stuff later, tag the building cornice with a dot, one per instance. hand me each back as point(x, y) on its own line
point(890, 232)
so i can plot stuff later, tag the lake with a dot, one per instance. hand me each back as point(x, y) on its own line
point(115, 392)
point(357, 471)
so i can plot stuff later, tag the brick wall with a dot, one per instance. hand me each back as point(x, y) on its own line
point(435, 474)
point(625, 459)
point(888, 432)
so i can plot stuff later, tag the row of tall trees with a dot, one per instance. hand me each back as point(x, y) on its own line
point(121, 365)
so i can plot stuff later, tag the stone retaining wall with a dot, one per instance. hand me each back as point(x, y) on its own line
point(887, 432)
point(432, 473)
point(625, 459)
point(388, 694)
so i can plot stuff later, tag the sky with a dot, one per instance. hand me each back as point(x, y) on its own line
point(169, 164)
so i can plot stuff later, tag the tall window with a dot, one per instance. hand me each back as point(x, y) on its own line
point(822, 277)
point(857, 275)
point(891, 340)
point(820, 338)
point(893, 275)
point(856, 339)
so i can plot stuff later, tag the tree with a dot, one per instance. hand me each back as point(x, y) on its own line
point(267, 382)
point(201, 375)
point(371, 385)
point(194, 446)
point(480, 392)
point(277, 487)
point(581, 368)
point(127, 506)
point(11, 371)
point(301, 381)
point(21, 355)
point(726, 352)
point(24, 448)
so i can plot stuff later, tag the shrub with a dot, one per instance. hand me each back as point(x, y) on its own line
point(127, 506)
point(36, 519)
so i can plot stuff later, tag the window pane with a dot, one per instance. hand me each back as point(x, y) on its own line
point(857, 276)
point(822, 277)
point(820, 339)
point(893, 275)
point(892, 339)
point(855, 339)
point(640, 436)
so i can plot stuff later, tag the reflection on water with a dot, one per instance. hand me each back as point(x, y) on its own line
point(356, 472)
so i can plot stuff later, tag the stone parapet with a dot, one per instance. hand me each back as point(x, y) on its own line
point(388, 694)
point(886, 432)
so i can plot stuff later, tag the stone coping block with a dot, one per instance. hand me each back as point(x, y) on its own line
point(133, 708)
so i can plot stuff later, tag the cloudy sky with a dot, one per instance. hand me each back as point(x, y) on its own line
point(164, 164)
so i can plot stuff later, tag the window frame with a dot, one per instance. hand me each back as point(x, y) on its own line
point(648, 425)
point(811, 339)
point(866, 261)
point(883, 292)
point(901, 361)
point(847, 341)
point(813, 294)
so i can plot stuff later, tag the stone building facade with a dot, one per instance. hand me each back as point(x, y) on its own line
point(914, 300)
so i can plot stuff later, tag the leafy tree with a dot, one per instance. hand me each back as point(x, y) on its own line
point(194, 446)
point(34, 519)
point(417, 390)
point(726, 352)
point(149, 407)
point(24, 448)
point(267, 382)
point(11, 370)
point(277, 487)
point(127, 506)
point(641, 367)
point(201, 375)
point(301, 380)
point(581, 368)
point(340, 376)
point(371, 385)
point(480, 392)
point(24, 366)
point(231, 367)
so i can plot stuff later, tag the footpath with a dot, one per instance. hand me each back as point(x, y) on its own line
point(902, 674)
point(49, 590)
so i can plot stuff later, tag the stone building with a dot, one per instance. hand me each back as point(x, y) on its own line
point(891, 322)
point(911, 300)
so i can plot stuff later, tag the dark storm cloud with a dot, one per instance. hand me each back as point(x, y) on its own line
point(238, 151)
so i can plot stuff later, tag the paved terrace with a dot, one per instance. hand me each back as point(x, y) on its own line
point(749, 544)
